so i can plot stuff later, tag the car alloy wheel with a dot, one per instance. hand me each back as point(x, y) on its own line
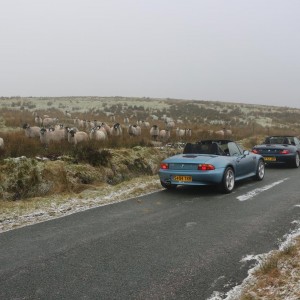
point(260, 172)
point(297, 161)
point(227, 184)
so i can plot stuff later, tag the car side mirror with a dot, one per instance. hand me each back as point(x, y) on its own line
point(246, 152)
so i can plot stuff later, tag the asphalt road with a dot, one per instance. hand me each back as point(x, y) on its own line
point(181, 244)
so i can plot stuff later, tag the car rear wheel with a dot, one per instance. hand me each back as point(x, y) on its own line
point(296, 162)
point(260, 171)
point(168, 186)
point(228, 181)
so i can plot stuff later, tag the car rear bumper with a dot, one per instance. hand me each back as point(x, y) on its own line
point(279, 159)
point(197, 177)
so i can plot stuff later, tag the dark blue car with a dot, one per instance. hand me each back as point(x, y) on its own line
point(280, 149)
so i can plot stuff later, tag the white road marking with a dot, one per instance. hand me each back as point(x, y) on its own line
point(255, 192)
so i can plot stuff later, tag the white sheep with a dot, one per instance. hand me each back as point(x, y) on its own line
point(188, 132)
point(75, 137)
point(224, 132)
point(44, 136)
point(180, 133)
point(59, 127)
point(154, 132)
point(38, 120)
point(164, 135)
point(91, 124)
point(103, 129)
point(31, 131)
point(228, 132)
point(116, 130)
point(106, 127)
point(49, 121)
point(134, 130)
point(170, 124)
point(52, 135)
point(145, 124)
point(97, 134)
point(220, 132)
point(85, 124)
point(1, 143)
point(78, 122)
point(68, 114)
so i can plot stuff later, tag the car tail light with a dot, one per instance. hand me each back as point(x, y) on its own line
point(164, 166)
point(205, 167)
point(255, 151)
point(285, 151)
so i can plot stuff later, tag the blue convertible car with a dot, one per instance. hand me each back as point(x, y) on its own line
point(211, 162)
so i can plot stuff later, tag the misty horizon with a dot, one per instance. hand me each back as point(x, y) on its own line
point(211, 50)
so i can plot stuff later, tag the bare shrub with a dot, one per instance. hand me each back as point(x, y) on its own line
point(91, 154)
point(17, 144)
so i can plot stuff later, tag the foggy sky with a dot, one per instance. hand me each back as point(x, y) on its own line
point(244, 51)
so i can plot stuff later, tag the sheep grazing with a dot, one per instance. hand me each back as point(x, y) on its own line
point(97, 134)
point(188, 132)
point(134, 130)
point(58, 127)
point(220, 132)
point(43, 136)
point(224, 132)
point(154, 132)
point(105, 127)
point(91, 124)
point(75, 137)
point(1, 143)
point(145, 124)
point(116, 130)
point(180, 133)
point(31, 132)
point(164, 135)
point(228, 132)
point(170, 124)
point(49, 121)
point(68, 114)
point(38, 120)
point(51, 135)
point(79, 123)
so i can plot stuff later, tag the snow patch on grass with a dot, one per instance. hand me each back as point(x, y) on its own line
point(61, 206)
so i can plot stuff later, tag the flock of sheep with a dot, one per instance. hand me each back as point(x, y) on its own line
point(48, 129)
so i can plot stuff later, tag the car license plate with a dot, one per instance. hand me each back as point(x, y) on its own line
point(269, 158)
point(183, 178)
